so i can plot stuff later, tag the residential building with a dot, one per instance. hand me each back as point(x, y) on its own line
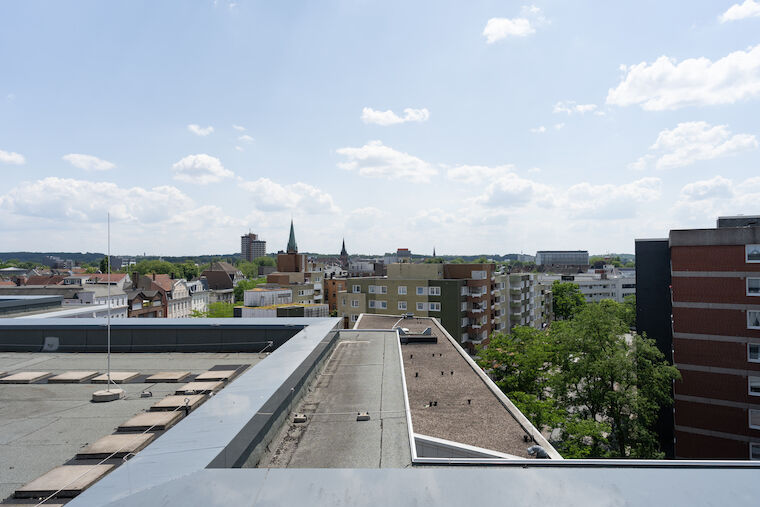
point(234, 274)
point(199, 295)
point(146, 303)
point(562, 258)
point(251, 247)
point(607, 283)
point(471, 300)
point(76, 296)
point(714, 285)
point(332, 287)
point(221, 279)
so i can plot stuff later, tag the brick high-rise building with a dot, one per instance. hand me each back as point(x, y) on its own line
point(714, 279)
point(251, 247)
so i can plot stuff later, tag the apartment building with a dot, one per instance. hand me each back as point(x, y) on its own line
point(562, 258)
point(714, 285)
point(470, 300)
point(251, 247)
point(332, 287)
point(596, 285)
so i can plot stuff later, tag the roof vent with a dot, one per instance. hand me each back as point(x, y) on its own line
point(299, 418)
point(362, 416)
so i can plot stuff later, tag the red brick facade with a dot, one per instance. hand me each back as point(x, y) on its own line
point(715, 426)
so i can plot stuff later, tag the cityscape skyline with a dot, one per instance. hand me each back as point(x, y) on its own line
point(475, 128)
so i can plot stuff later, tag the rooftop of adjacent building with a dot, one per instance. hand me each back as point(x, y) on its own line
point(449, 395)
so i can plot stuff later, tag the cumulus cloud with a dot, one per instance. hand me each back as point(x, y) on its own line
point(200, 131)
point(67, 199)
point(748, 9)
point(375, 160)
point(538, 130)
point(500, 28)
point(610, 201)
point(88, 162)
point(388, 117)
point(245, 138)
point(472, 174)
point(690, 142)
point(201, 169)
point(511, 190)
point(10, 157)
point(717, 187)
point(239, 128)
point(571, 107)
point(269, 195)
point(666, 84)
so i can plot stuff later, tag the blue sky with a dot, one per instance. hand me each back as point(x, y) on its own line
point(474, 127)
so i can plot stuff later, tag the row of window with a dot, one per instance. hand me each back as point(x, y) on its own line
point(383, 305)
point(402, 290)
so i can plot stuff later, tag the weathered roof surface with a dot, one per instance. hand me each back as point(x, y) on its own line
point(104, 277)
point(482, 422)
point(223, 266)
point(362, 374)
point(163, 281)
point(45, 280)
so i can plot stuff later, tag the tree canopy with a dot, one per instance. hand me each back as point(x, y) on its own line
point(587, 379)
point(567, 299)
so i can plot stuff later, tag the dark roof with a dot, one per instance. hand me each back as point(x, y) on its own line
point(45, 280)
point(292, 245)
point(218, 280)
point(223, 266)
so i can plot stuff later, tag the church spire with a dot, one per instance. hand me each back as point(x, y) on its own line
point(343, 250)
point(292, 245)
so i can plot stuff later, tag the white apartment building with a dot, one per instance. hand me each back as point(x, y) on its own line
point(199, 296)
point(596, 285)
point(179, 299)
point(267, 297)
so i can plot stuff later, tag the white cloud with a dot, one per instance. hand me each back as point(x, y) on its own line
point(667, 84)
point(10, 157)
point(88, 162)
point(748, 9)
point(200, 131)
point(510, 190)
point(558, 126)
point(717, 187)
point(501, 28)
point(388, 117)
point(245, 138)
point(88, 201)
point(570, 107)
point(239, 148)
point(201, 169)
point(690, 142)
point(375, 160)
point(538, 130)
point(272, 196)
point(239, 128)
point(610, 201)
point(472, 174)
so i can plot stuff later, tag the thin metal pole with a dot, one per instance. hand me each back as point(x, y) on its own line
point(108, 315)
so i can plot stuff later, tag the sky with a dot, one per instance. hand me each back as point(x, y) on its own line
point(466, 126)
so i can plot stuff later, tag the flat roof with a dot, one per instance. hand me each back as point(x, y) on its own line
point(43, 425)
point(361, 374)
point(465, 409)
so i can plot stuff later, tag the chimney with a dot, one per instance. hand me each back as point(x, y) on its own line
point(154, 277)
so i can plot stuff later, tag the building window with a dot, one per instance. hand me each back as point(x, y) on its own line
point(344, 301)
point(754, 419)
point(752, 253)
point(435, 307)
point(421, 291)
point(753, 319)
point(354, 317)
point(357, 289)
point(420, 306)
point(371, 303)
point(464, 306)
point(754, 386)
point(354, 303)
point(383, 305)
point(753, 352)
point(434, 291)
point(754, 451)
point(402, 290)
point(371, 289)
point(402, 305)
point(753, 286)
point(479, 275)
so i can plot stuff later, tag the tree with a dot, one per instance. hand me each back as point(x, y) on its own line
point(249, 269)
point(599, 386)
point(567, 299)
point(265, 261)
